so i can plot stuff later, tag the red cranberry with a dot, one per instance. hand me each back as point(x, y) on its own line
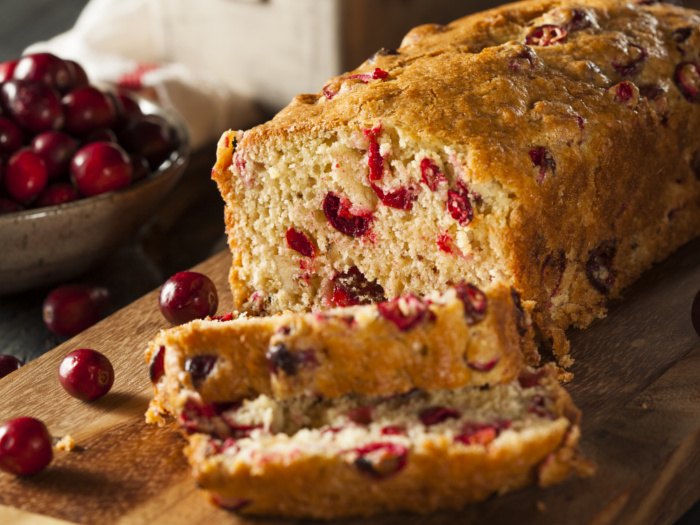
point(599, 267)
point(88, 108)
point(405, 312)
point(45, 68)
point(280, 358)
point(687, 78)
point(375, 161)
point(100, 135)
point(523, 61)
point(393, 430)
point(11, 137)
point(78, 75)
point(545, 35)
point(57, 193)
point(459, 207)
point(377, 74)
point(436, 415)
point(25, 446)
point(187, 296)
point(401, 199)
point(8, 364)
point(477, 434)
point(352, 288)
point(233, 504)
point(530, 378)
point(431, 174)
point(129, 105)
point(139, 168)
point(300, 242)
point(638, 55)
point(361, 415)
point(538, 406)
point(380, 460)
point(149, 136)
point(9, 206)
point(25, 175)
point(72, 308)
point(542, 159)
point(7, 68)
point(156, 368)
point(474, 302)
point(483, 367)
point(34, 106)
point(57, 150)
point(200, 366)
point(338, 213)
point(695, 313)
point(86, 374)
point(100, 167)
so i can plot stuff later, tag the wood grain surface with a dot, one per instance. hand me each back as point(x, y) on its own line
point(637, 380)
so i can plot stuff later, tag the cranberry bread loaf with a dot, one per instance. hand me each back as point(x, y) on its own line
point(550, 145)
point(418, 452)
point(462, 336)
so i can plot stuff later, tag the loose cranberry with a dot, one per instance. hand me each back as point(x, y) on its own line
point(100, 135)
point(7, 68)
point(86, 374)
point(633, 66)
point(187, 296)
point(542, 159)
point(86, 109)
point(483, 367)
point(474, 302)
point(361, 415)
point(100, 167)
point(139, 168)
point(72, 308)
point(129, 105)
point(338, 213)
point(200, 366)
point(300, 242)
point(57, 193)
point(78, 75)
point(695, 313)
point(57, 149)
point(431, 174)
point(25, 446)
point(45, 68)
point(459, 207)
point(687, 78)
point(156, 368)
point(380, 460)
point(438, 414)
point(25, 176)
point(9, 206)
point(149, 136)
point(545, 35)
point(401, 199)
point(599, 267)
point(405, 312)
point(34, 106)
point(352, 288)
point(8, 364)
point(11, 137)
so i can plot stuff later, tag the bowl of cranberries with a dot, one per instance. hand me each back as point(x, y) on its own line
point(82, 167)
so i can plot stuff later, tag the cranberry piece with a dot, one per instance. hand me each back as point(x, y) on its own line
point(393, 430)
point(88, 108)
point(86, 374)
point(477, 434)
point(139, 168)
point(545, 35)
point(444, 243)
point(25, 446)
point(599, 267)
point(338, 213)
point(100, 167)
point(538, 406)
point(361, 415)
point(187, 296)
point(8, 364)
point(352, 288)
point(78, 75)
point(695, 313)
point(578, 21)
point(72, 308)
point(7, 68)
point(280, 358)
point(25, 175)
point(530, 378)
point(233, 504)
point(380, 460)
point(405, 312)
point(45, 68)
point(57, 193)
point(11, 137)
point(625, 93)
point(687, 78)
point(300, 242)
point(459, 207)
point(633, 66)
point(474, 302)
point(431, 174)
point(149, 136)
point(483, 367)
point(519, 311)
point(375, 161)
point(200, 366)
point(542, 159)
point(377, 74)
point(156, 368)
point(401, 199)
point(228, 316)
point(9, 206)
point(524, 60)
point(681, 34)
point(436, 415)
point(57, 149)
point(34, 106)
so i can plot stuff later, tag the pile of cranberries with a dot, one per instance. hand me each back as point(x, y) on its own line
point(63, 139)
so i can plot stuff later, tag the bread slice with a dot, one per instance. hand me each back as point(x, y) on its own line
point(551, 145)
point(418, 452)
point(443, 341)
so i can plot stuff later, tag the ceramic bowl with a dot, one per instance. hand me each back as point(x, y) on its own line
point(43, 246)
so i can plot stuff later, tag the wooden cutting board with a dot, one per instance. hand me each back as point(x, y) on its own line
point(637, 380)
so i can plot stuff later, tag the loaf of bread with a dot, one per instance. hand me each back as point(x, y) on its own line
point(551, 145)
point(418, 452)
point(443, 341)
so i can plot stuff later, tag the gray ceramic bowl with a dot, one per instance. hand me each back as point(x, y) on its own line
point(43, 246)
